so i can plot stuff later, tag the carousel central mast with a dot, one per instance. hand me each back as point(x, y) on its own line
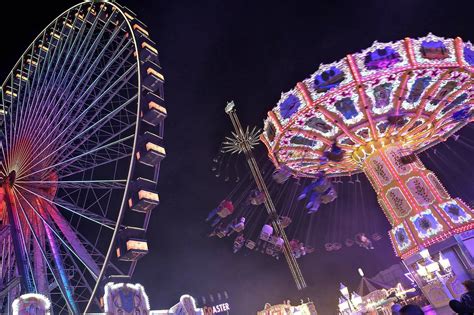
point(244, 142)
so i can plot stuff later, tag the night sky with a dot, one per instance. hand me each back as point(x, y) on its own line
point(249, 52)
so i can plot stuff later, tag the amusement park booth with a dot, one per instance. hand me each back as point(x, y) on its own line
point(287, 309)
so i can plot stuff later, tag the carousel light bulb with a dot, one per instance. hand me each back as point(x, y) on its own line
point(344, 290)
point(425, 253)
point(444, 262)
point(343, 305)
point(421, 271)
point(431, 266)
point(356, 299)
point(361, 272)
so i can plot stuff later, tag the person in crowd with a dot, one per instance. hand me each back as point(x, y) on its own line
point(396, 309)
point(466, 305)
point(411, 309)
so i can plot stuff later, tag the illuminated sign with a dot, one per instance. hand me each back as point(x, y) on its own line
point(216, 309)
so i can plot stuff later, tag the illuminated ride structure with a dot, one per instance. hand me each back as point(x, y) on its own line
point(243, 142)
point(82, 117)
point(372, 112)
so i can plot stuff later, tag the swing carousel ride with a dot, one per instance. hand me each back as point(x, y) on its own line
point(372, 112)
point(246, 223)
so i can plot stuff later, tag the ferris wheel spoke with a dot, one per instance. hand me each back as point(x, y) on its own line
point(109, 156)
point(40, 267)
point(77, 119)
point(104, 115)
point(71, 237)
point(97, 200)
point(3, 142)
point(71, 171)
point(28, 95)
point(110, 88)
point(83, 135)
point(65, 294)
point(8, 277)
point(4, 128)
point(32, 77)
point(83, 58)
point(20, 248)
point(52, 231)
point(4, 240)
point(74, 209)
point(25, 238)
point(64, 44)
point(14, 134)
point(86, 88)
point(83, 283)
point(18, 108)
point(43, 64)
point(10, 132)
point(76, 41)
point(102, 76)
point(14, 110)
point(73, 159)
point(79, 184)
point(3, 163)
point(95, 252)
point(60, 108)
point(83, 166)
point(89, 69)
point(98, 154)
point(121, 150)
point(39, 85)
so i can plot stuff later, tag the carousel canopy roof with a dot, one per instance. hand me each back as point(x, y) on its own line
point(414, 91)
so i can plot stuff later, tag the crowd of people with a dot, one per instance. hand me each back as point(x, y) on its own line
point(464, 306)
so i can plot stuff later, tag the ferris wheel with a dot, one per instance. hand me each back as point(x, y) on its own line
point(82, 116)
